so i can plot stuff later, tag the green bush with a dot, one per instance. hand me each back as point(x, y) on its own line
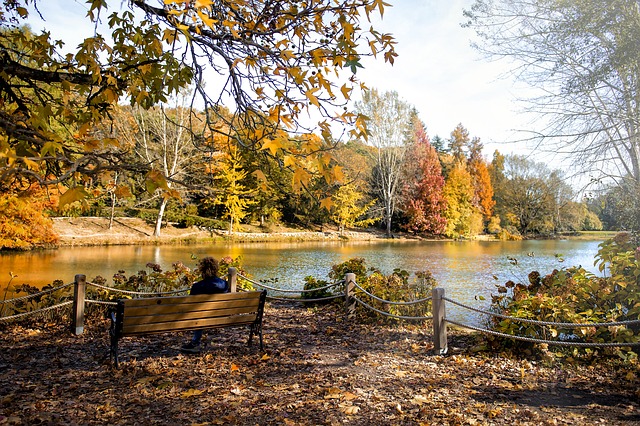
point(396, 287)
point(311, 283)
point(574, 295)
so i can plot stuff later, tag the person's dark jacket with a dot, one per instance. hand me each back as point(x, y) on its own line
point(210, 285)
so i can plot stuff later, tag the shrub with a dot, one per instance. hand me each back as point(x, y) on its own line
point(574, 295)
point(311, 283)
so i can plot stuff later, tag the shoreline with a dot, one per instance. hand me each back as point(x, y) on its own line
point(94, 231)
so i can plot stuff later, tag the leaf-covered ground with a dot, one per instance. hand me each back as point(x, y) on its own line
point(318, 369)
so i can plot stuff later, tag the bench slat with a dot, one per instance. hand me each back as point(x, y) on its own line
point(188, 306)
point(182, 316)
point(187, 325)
point(155, 301)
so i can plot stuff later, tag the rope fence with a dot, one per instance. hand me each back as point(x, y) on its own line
point(282, 290)
point(389, 302)
point(138, 293)
point(41, 293)
point(37, 311)
point(349, 291)
point(388, 314)
point(547, 323)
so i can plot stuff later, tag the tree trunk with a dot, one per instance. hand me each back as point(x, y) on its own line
point(163, 204)
point(231, 225)
point(113, 209)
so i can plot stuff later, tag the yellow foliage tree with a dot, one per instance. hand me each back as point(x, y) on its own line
point(347, 208)
point(232, 192)
point(458, 191)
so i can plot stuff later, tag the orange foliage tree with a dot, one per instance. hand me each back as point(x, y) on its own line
point(23, 222)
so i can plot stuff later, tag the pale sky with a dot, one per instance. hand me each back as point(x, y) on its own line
point(436, 71)
point(448, 81)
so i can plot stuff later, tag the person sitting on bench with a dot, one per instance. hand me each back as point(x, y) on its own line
point(209, 284)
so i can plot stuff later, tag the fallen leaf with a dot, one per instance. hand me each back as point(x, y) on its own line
point(419, 399)
point(191, 392)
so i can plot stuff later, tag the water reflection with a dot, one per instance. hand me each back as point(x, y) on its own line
point(464, 269)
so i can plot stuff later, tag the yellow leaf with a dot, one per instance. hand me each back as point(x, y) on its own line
point(155, 180)
point(333, 393)
point(338, 174)
point(289, 160)
point(350, 409)
point(265, 357)
point(300, 178)
point(203, 3)
point(311, 96)
point(346, 91)
point(169, 35)
point(191, 392)
point(348, 396)
point(326, 203)
point(234, 368)
point(260, 175)
point(273, 145)
point(123, 191)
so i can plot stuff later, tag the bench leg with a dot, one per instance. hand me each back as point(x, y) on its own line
point(256, 329)
point(113, 347)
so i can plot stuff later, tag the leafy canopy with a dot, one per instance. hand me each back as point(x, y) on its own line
point(270, 62)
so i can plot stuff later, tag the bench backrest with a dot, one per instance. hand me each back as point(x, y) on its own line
point(161, 314)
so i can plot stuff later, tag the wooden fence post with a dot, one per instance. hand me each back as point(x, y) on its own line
point(439, 324)
point(80, 284)
point(233, 279)
point(349, 302)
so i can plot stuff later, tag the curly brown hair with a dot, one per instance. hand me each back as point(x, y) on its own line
point(208, 267)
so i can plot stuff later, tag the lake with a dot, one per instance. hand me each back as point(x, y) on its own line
point(464, 268)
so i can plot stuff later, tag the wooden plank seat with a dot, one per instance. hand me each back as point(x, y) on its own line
point(135, 317)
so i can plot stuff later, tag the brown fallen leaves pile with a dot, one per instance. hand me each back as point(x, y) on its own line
point(318, 369)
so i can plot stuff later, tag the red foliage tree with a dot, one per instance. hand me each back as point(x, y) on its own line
point(425, 204)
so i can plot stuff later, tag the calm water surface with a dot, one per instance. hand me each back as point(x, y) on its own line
point(465, 269)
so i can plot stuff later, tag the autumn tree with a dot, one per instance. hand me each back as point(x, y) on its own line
point(160, 137)
point(423, 184)
point(389, 124)
point(232, 192)
point(458, 192)
point(348, 209)
point(584, 57)
point(533, 195)
point(483, 189)
point(270, 62)
point(24, 224)
point(459, 142)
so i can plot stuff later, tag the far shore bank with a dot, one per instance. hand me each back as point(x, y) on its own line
point(94, 231)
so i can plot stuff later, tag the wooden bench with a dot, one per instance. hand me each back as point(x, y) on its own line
point(135, 317)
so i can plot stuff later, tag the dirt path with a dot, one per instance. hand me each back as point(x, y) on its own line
point(318, 369)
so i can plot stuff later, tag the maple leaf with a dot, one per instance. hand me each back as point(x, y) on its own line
point(326, 203)
point(76, 193)
point(273, 145)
